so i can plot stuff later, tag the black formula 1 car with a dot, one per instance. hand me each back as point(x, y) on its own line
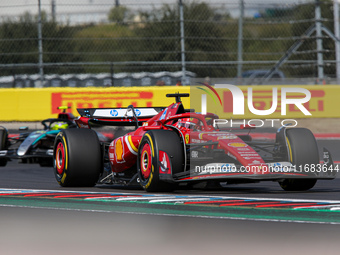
point(173, 147)
point(36, 146)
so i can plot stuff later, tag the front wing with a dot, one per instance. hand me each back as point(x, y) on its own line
point(267, 172)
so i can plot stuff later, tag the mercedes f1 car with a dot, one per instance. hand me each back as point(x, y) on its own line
point(173, 146)
point(36, 146)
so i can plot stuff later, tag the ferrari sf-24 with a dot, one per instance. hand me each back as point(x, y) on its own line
point(172, 147)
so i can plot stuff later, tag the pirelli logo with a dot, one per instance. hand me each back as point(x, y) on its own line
point(93, 99)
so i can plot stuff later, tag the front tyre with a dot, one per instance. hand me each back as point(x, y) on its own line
point(77, 158)
point(302, 150)
point(153, 144)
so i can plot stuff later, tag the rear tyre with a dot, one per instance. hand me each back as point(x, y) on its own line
point(303, 151)
point(3, 145)
point(77, 158)
point(149, 161)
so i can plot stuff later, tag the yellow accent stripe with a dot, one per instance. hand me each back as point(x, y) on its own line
point(131, 143)
point(290, 150)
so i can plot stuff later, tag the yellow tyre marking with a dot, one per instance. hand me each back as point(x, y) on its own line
point(150, 178)
point(63, 179)
point(152, 168)
point(152, 148)
point(65, 145)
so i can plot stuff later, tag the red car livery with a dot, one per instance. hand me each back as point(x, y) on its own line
point(173, 147)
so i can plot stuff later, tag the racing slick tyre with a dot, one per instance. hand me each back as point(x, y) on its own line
point(159, 151)
point(3, 142)
point(303, 151)
point(77, 158)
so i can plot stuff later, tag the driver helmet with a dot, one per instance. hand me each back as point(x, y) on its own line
point(59, 125)
point(185, 123)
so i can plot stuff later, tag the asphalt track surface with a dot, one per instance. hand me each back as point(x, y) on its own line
point(37, 216)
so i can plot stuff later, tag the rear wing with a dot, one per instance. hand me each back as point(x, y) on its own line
point(119, 116)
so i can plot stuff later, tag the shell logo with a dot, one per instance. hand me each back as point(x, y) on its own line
point(237, 145)
point(119, 150)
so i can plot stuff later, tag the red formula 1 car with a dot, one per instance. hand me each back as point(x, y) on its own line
point(174, 146)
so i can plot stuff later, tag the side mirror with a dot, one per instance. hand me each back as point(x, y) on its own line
point(23, 128)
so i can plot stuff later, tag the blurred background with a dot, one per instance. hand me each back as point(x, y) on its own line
point(85, 43)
